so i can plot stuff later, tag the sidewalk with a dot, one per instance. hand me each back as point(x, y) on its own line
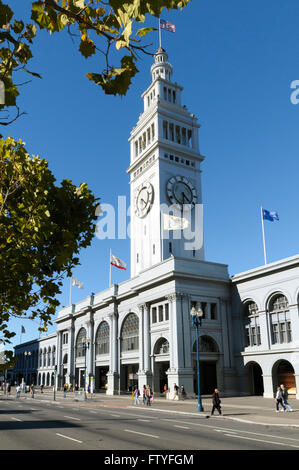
point(254, 410)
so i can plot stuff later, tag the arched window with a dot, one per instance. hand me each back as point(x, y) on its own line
point(280, 320)
point(207, 344)
point(53, 356)
point(130, 333)
point(44, 357)
point(251, 324)
point(102, 338)
point(161, 347)
point(80, 343)
point(49, 357)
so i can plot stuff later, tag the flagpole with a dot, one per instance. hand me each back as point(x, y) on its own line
point(263, 230)
point(160, 36)
point(110, 269)
point(71, 290)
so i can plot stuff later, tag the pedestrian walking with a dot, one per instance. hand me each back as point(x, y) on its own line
point(216, 402)
point(136, 396)
point(183, 392)
point(148, 395)
point(64, 390)
point(144, 395)
point(278, 400)
point(18, 391)
point(8, 389)
point(175, 392)
point(41, 388)
point(32, 390)
point(285, 396)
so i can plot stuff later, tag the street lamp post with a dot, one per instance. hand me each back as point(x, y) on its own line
point(27, 355)
point(197, 315)
point(85, 345)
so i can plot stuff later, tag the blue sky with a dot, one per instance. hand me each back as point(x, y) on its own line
point(236, 61)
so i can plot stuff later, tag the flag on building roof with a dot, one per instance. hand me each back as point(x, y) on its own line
point(118, 263)
point(172, 222)
point(167, 26)
point(23, 330)
point(270, 215)
point(77, 283)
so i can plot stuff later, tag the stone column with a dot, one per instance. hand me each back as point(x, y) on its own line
point(145, 375)
point(59, 359)
point(113, 374)
point(71, 354)
point(180, 371)
point(90, 349)
point(268, 386)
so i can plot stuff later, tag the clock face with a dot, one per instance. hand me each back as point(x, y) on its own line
point(144, 199)
point(180, 191)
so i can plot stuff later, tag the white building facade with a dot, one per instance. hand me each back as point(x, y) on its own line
point(139, 332)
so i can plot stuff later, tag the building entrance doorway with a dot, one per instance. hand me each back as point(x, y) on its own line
point(285, 375)
point(207, 377)
point(101, 378)
point(255, 379)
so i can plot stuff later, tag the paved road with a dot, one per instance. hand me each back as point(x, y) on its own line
point(28, 424)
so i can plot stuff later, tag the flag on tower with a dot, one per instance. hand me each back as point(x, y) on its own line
point(167, 26)
point(270, 215)
point(77, 283)
point(118, 263)
point(172, 222)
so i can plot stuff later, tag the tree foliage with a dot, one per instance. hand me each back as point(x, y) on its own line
point(42, 229)
point(101, 27)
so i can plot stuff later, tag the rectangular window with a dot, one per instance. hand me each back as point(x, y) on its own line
point(173, 96)
point(253, 336)
point(258, 336)
point(247, 337)
point(153, 131)
point(289, 332)
point(165, 129)
point(275, 333)
point(148, 135)
point(154, 315)
point(166, 312)
point(170, 247)
point(184, 136)
point(213, 311)
point(160, 312)
point(165, 93)
point(283, 333)
point(171, 132)
point(178, 134)
point(169, 94)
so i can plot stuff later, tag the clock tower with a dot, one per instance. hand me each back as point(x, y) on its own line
point(165, 175)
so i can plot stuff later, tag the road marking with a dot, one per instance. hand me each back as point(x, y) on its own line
point(16, 419)
point(182, 427)
point(72, 417)
point(142, 433)
point(95, 412)
point(145, 420)
point(67, 437)
point(232, 430)
point(116, 416)
point(260, 440)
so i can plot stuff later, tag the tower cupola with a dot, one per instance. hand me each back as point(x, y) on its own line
point(161, 68)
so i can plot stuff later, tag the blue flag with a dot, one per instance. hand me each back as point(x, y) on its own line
point(270, 215)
